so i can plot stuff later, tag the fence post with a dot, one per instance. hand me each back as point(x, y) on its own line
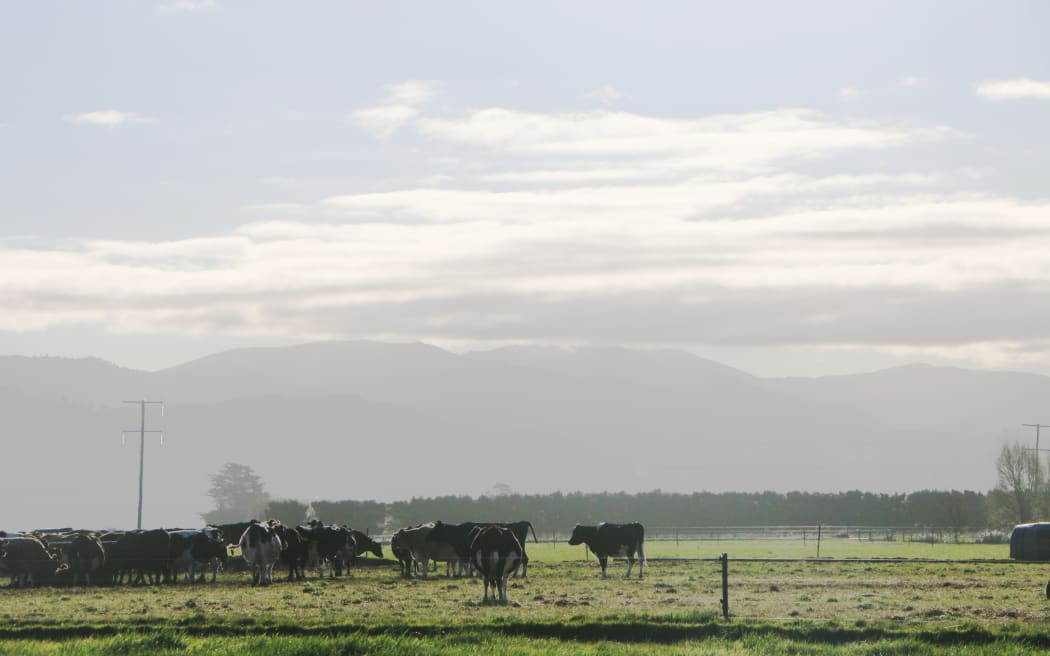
point(725, 585)
point(819, 527)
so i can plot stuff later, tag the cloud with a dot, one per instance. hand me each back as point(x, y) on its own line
point(726, 141)
point(606, 95)
point(403, 102)
point(850, 93)
point(912, 81)
point(384, 120)
point(907, 272)
point(186, 5)
point(1014, 89)
point(278, 207)
point(107, 117)
point(411, 92)
point(596, 226)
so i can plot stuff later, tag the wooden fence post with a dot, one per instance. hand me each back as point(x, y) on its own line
point(725, 585)
point(819, 527)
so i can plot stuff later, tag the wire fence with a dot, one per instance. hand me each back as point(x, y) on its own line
point(795, 533)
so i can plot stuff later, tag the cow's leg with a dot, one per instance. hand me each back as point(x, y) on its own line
point(524, 566)
point(604, 562)
point(630, 565)
point(641, 558)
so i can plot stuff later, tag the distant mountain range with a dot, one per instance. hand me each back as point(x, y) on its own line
point(364, 420)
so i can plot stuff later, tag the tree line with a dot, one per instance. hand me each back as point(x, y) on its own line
point(1022, 494)
point(559, 511)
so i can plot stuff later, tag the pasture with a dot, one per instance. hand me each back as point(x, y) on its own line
point(778, 607)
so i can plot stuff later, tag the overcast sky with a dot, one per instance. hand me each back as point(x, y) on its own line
point(789, 188)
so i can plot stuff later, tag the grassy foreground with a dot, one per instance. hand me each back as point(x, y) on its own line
point(563, 608)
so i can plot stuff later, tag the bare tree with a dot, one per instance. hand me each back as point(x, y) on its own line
point(1022, 484)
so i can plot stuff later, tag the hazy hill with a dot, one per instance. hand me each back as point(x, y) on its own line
point(372, 420)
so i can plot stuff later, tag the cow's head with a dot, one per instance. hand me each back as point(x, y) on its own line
point(579, 534)
point(375, 548)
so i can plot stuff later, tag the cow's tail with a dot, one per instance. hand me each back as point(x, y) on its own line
point(534, 538)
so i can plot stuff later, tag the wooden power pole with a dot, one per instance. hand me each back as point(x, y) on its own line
point(142, 445)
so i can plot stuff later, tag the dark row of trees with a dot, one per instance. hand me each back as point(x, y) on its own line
point(1022, 494)
point(559, 512)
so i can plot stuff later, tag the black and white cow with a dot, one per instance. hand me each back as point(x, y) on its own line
point(197, 551)
point(606, 540)
point(299, 548)
point(261, 548)
point(521, 531)
point(399, 547)
point(141, 556)
point(496, 554)
point(414, 540)
point(456, 537)
point(460, 537)
point(85, 556)
point(334, 545)
point(27, 561)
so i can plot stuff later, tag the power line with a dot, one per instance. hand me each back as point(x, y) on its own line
point(142, 444)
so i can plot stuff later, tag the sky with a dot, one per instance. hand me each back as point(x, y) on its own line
point(789, 188)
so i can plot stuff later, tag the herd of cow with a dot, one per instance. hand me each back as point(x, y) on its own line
point(496, 551)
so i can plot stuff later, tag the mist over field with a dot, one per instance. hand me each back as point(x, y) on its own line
point(371, 420)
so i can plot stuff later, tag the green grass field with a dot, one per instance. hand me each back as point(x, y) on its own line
point(800, 607)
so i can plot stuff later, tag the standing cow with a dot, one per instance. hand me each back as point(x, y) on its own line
point(140, 556)
point(197, 551)
point(298, 543)
point(399, 547)
point(415, 541)
point(606, 540)
point(27, 560)
point(86, 556)
point(496, 553)
point(333, 546)
point(261, 548)
point(459, 536)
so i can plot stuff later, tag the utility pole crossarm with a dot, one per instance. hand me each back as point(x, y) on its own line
point(1037, 427)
